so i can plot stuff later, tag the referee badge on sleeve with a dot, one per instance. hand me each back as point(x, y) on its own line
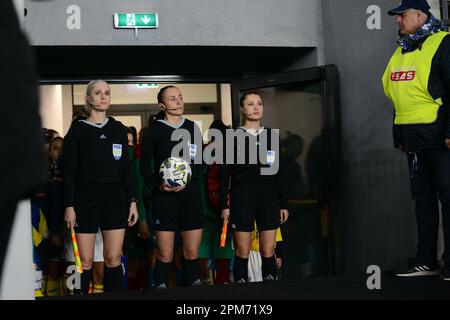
point(270, 157)
point(117, 151)
point(192, 151)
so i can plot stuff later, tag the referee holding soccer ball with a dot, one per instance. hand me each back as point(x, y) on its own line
point(174, 208)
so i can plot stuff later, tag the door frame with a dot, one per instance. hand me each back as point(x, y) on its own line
point(326, 74)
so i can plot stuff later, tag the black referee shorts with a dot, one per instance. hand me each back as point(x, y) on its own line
point(251, 202)
point(101, 205)
point(180, 211)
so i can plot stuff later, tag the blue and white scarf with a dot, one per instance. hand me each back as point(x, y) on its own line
point(411, 42)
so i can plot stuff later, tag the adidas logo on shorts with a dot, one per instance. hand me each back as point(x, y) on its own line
point(102, 136)
point(157, 222)
point(197, 282)
point(161, 286)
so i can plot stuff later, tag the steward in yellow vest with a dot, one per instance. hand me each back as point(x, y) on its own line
point(417, 81)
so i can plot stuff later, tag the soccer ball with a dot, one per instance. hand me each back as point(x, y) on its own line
point(175, 172)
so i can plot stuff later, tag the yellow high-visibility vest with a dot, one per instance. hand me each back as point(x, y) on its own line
point(405, 83)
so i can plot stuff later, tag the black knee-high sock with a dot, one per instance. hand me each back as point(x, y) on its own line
point(113, 280)
point(86, 281)
point(269, 268)
point(191, 272)
point(162, 274)
point(240, 270)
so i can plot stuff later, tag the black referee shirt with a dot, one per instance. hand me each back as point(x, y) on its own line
point(96, 153)
point(248, 175)
point(157, 146)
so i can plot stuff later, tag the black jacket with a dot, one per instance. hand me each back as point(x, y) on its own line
point(22, 164)
point(414, 137)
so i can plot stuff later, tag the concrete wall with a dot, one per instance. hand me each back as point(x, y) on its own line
point(19, 4)
point(67, 106)
point(56, 107)
point(225, 95)
point(131, 94)
point(435, 8)
point(51, 108)
point(291, 23)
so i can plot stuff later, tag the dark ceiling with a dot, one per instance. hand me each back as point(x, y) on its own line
point(78, 63)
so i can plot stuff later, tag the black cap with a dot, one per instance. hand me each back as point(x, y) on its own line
point(421, 5)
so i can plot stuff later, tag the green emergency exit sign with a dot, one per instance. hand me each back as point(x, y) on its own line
point(136, 20)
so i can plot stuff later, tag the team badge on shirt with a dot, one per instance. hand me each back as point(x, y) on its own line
point(117, 151)
point(270, 157)
point(192, 151)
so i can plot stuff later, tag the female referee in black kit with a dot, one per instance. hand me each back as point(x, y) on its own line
point(174, 209)
point(253, 195)
point(98, 190)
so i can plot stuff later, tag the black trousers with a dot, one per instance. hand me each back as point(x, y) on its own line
point(430, 181)
point(7, 213)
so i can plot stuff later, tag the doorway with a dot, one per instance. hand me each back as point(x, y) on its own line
point(303, 106)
